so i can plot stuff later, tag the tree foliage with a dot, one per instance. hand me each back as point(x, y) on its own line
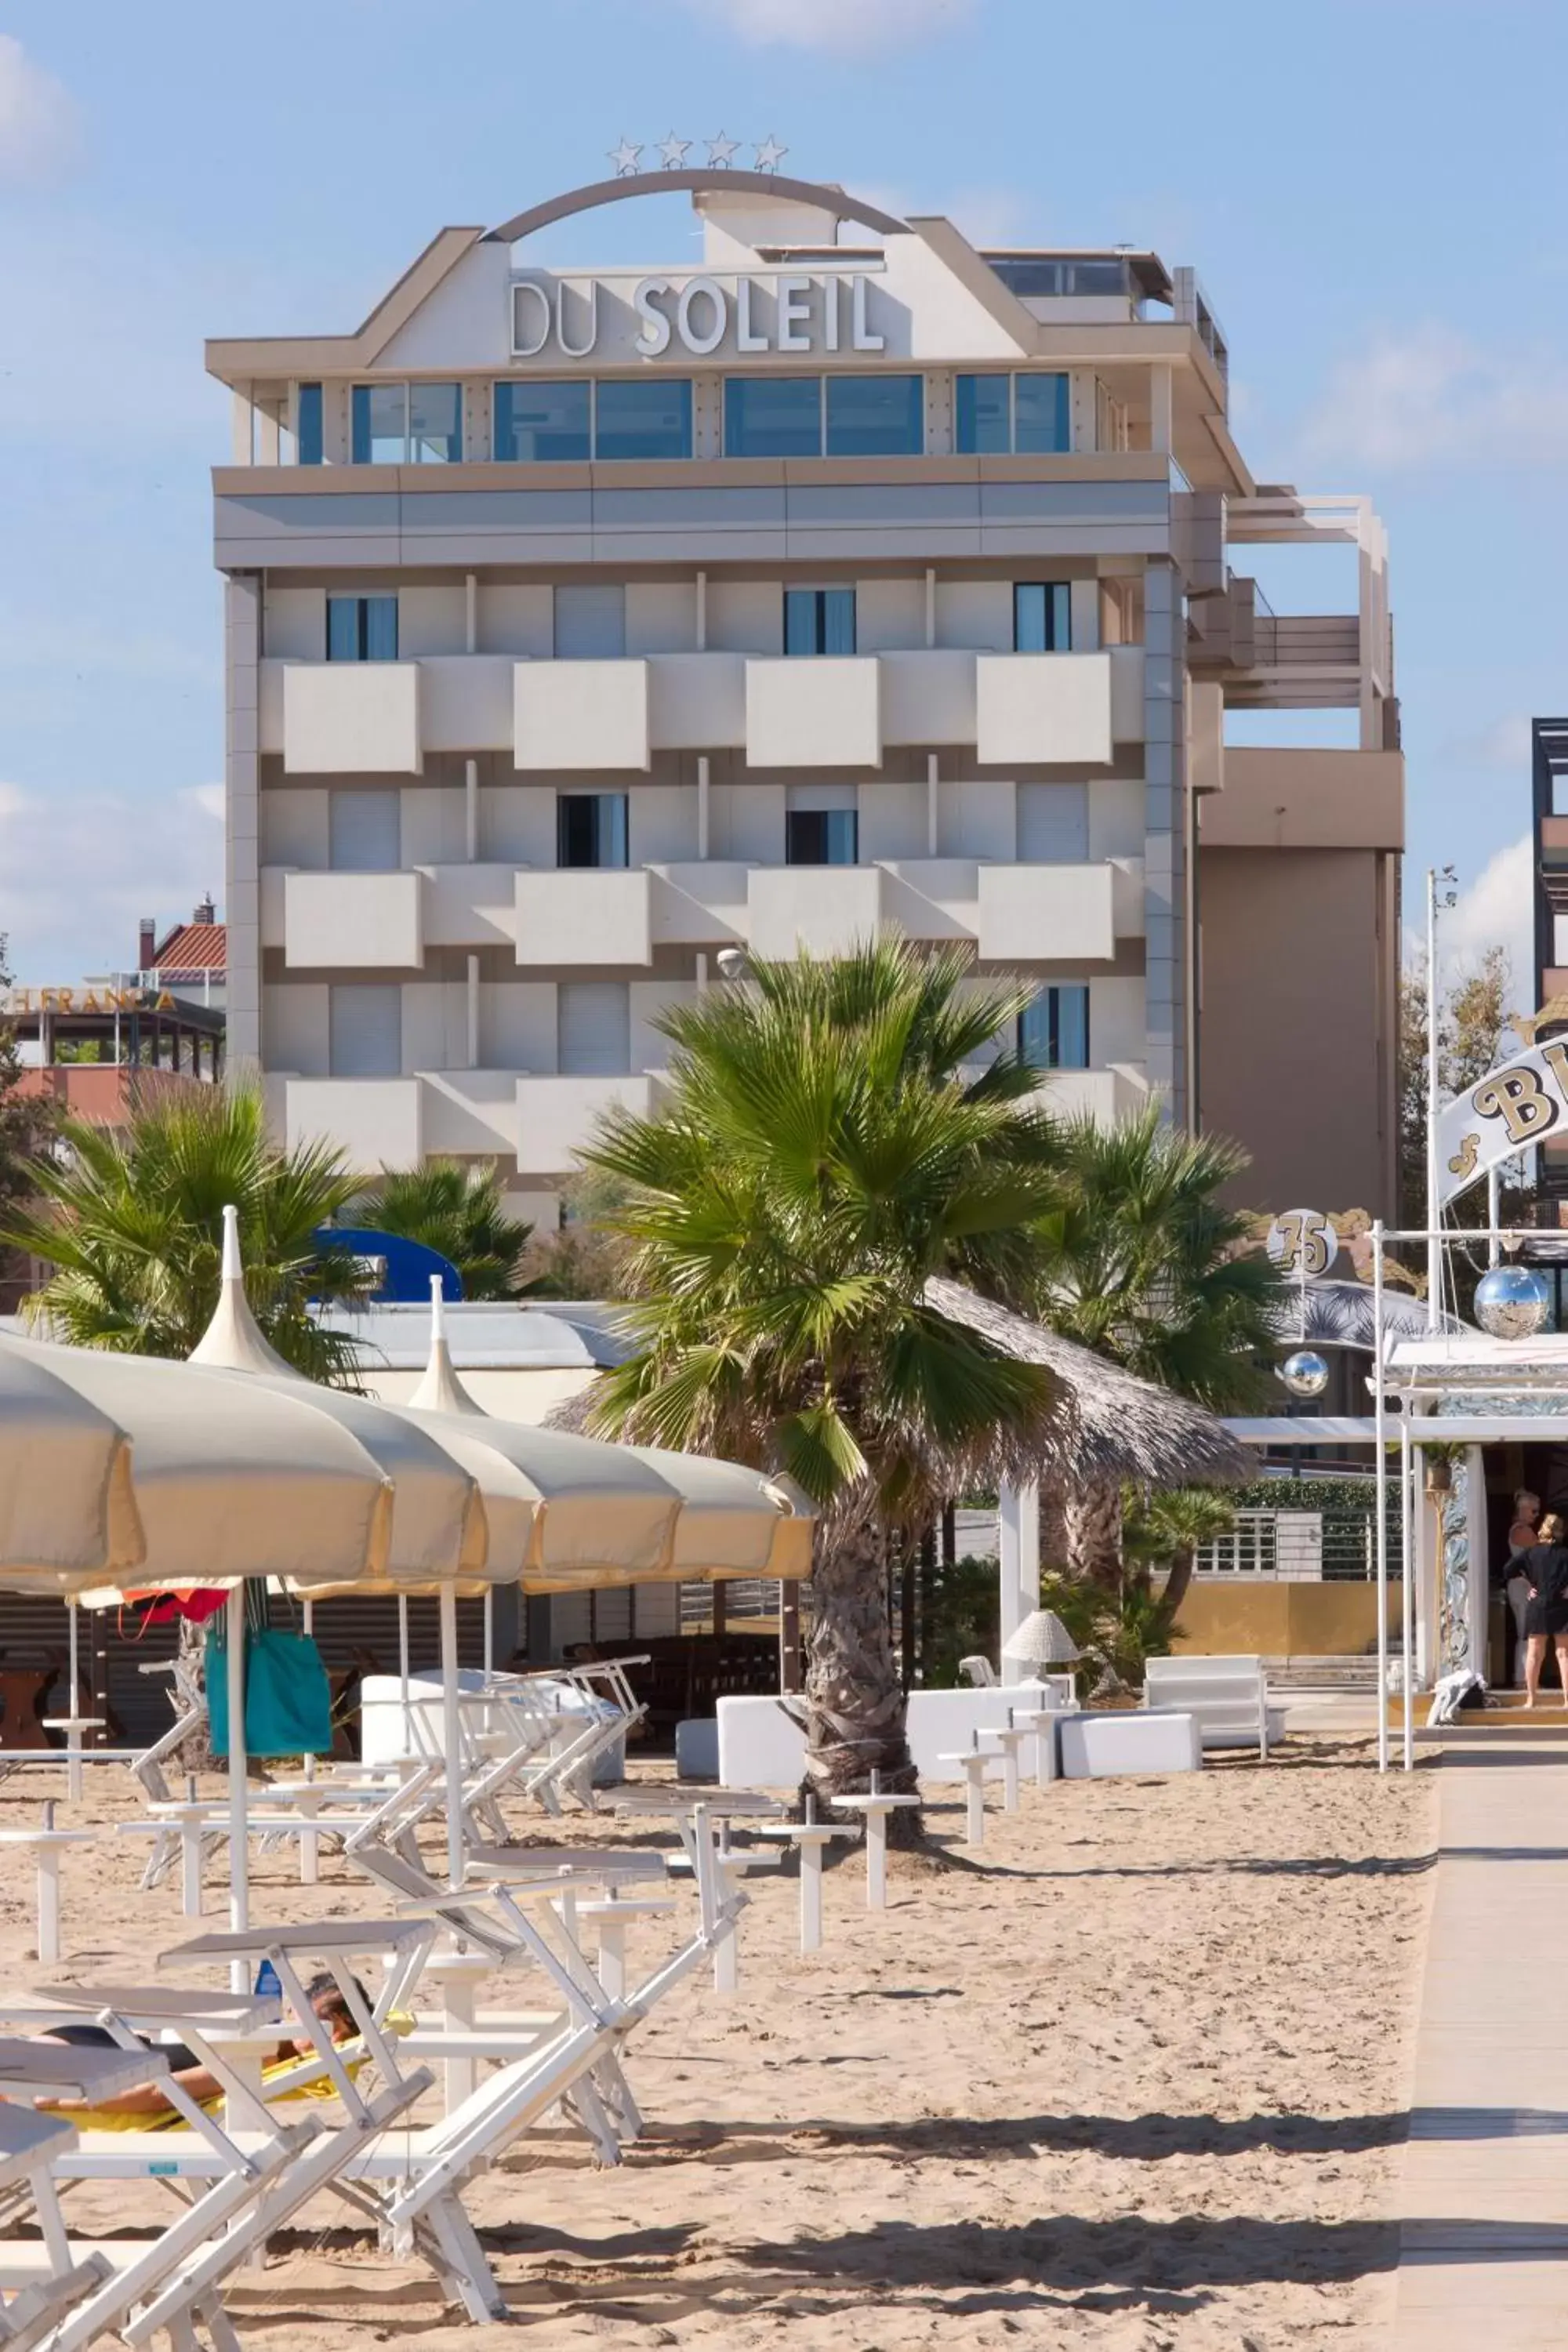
point(457, 1208)
point(131, 1221)
point(1473, 1036)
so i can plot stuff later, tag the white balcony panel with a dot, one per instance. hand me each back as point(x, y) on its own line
point(376, 1121)
point(933, 897)
point(556, 1117)
point(1127, 897)
point(697, 702)
point(352, 922)
point(352, 719)
point(470, 1110)
point(826, 909)
point(1035, 914)
point(569, 715)
point(1127, 693)
point(572, 918)
point(269, 702)
point(806, 713)
point(466, 701)
point(1105, 1095)
point(698, 905)
point(273, 882)
point(928, 698)
point(470, 905)
point(1043, 709)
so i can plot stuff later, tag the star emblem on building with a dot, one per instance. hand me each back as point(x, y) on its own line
point(672, 153)
point(627, 159)
point(770, 154)
point(722, 153)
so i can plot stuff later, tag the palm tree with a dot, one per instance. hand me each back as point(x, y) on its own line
point(830, 1138)
point(1168, 1530)
point(456, 1209)
point(1146, 1264)
point(131, 1223)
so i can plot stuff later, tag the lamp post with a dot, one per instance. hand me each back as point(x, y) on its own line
point(1434, 1240)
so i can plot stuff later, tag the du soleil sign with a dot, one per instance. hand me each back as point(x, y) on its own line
point(789, 312)
point(1519, 1103)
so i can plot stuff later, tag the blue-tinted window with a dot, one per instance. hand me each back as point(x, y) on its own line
point(591, 829)
point(1040, 414)
point(362, 628)
point(822, 837)
point(773, 416)
point(651, 418)
point(819, 620)
point(1053, 1032)
point(308, 422)
point(380, 423)
point(984, 426)
point(541, 423)
point(875, 415)
point(1042, 616)
point(435, 423)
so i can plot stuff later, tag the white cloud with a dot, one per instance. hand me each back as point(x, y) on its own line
point(37, 117)
point(81, 870)
point(1433, 397)
point(1503, 748)
point(836, 27)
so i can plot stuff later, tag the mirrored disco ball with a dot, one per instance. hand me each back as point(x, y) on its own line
point(1512, 1302)
point(1305, 1373)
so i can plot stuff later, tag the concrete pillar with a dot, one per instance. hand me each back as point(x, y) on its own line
point(242, 656)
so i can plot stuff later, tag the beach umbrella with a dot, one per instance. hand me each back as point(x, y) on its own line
point(68, 1505)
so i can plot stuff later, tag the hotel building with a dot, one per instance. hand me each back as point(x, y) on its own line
point(584, 623)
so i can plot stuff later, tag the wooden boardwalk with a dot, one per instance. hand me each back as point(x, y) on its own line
point(1483, 2209)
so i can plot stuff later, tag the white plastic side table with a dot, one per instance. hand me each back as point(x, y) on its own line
point(1008, 1742)
point(73, 1725)
point(813, 1839)
point(50, 1844)
point(875, 1807)
point(973, 1760)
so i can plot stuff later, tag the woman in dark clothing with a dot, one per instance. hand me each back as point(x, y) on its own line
point(1545, 1563)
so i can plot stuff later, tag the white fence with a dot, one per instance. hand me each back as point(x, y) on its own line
point(1303, 1546)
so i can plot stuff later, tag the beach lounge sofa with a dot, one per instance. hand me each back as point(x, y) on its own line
point(1228, 1696)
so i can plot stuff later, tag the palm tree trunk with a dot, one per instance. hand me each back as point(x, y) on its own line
point(854, 1700)
point(1094, 1531)
point(1055, 1552)
point(1182, 1562)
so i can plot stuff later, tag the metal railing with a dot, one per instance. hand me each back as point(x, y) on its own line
point(1300, 1546)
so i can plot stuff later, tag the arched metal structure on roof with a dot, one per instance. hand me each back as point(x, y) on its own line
point(711, 182)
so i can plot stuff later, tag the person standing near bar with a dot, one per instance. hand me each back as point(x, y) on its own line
point(1545, 1562)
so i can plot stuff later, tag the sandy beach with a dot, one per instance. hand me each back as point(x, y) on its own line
point(1139, 2082)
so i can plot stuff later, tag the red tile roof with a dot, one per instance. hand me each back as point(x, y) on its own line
point(194, 947)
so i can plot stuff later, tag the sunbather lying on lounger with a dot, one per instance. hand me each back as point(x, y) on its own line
point(326, 1999)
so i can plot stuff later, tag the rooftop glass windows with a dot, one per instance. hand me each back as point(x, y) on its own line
point(308, 424)
point(649, 417)
point(875, 415)
point(822, 837)
point(1002, 413)
point(773, 416)
point(406, 423)
point(591, 829)
point(543, 423)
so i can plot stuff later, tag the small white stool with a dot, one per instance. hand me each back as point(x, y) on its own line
point(613, 1913)
point(812, 1838)
point(973, 1760)
point(875, 1806)
point(1008, 1743)
point(73, 1725)
point(459, 1976)
point(733, 1867)
point(50, 1843)
point(1041, 1723)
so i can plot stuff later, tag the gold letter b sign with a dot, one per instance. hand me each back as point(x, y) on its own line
point(1510, 1109)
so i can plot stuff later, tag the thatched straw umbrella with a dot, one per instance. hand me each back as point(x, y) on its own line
point(1127, 1431)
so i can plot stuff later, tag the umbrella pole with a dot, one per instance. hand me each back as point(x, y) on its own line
point(403, 1669)
point(489, 1630)
point(238, 1830)
point(451, 1734)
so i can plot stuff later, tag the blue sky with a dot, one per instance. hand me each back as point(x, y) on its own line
point(1370, 189)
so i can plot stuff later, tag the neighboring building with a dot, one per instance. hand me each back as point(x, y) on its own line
point(190, 961)
point(583, 624)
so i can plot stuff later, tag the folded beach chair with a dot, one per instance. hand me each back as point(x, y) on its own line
point(29, 2308)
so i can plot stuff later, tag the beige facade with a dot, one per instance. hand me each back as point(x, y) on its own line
point(582, 625)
